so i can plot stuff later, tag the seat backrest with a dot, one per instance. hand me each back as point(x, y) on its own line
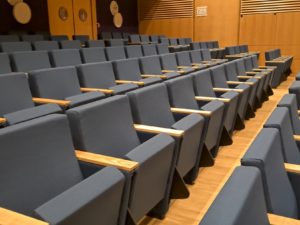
point(81, 38)
point(181, 41)
point(55, 83)
point(117, 35)
point(290, 101)
point(248, 63)
point(9, 38)
point(45, 45)
point(125, 36)
point(27, 61)
point(10, 99)
point(231, 70)
point(254, 61)
point(50, 167)
point(168, 61)
point(95, 43)
point(97, 126)
point(70, 44)
point(280, 119)
point(15, 46)
point(5, 66)
point(106, 35)
point(90, 55)
point(195, 45)
point(183, 58)
point(32, 37)
point(145, 38)
point(96, 75)
point(150, 106)
point(127, 69)
point(65, 57)
point(203, 84)
point(237, 50)
point(115, 53)
point(210, 45)
point(229, 50)
point(206, 54)
point(115, 42)
point(164, 41)
point(218, 76)
point(59, 37)
point(196, 56)
point(154, 38)
point(181, 92)
point(149, 50)
point(265, 153)
point(134, 38)
point(244, 193)
point(215, 44)
point(134, 51)
point(203, 45)
point(240, 66)
point(150, 65)
point(173, 41)
point(162, 48)
point(188, 41)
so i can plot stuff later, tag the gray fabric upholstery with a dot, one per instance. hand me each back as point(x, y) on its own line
point(81, 38)
point(135, 38)
point(183, 59)
point(123, 88)
point(32, 37)
point(95, 43)
point(15, 46)
point(58, 37)
point(149, 50)
point(70, 44)
point(162, 49)
point(290, 101)
point(115, 53)
point(65, 57)
point(92, 55)
point(265, 153)
point(9, 38)
point(134, 51)
point(5, 66)
point(84, 98)
point(195, 45)
point(145, 38)
point(115, 42)
point(280, 119)
point(295, 89)
point(243, 192)
point(28, 61)
point(117, 35)
point(45, 45)
point(106, 35)
point(168, 62)
point(154, 38)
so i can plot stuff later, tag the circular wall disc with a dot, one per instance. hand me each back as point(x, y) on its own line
point(22, 12)
point(114, 7)
point(118, 20)
point(82, 15)
point(63, 13)
point(13, 2)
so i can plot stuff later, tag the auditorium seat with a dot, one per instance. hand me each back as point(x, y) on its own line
point(70, 44)
point(28, 61)
point(134, 39)
point(204, 89)
point(101, 76)
point(65, 57)
point(145, 39)
point(154, 39)
point(60, 84)
point(196, 58)
point(150, 106)
point(128, 71)
point(115, 53)
point(173, 45)
point(281, 185)
point(5, 66)
point(32, 37)
point(117, 35)
point(95, 43)
point(18, 106)
point(182, 95)
point(106, 127)
point(134, 51)
point(115, 42)
point(184, 61)
point(9, 38)
point(240, 202)
point(162, 49)
point(91, 55)
point(150, 66)
point(82, 38)
point(51, 182)
point(206, 56)
point(106, 35)
point(59, 38)
point(15, 46)
point(45, 45)
point(169, 64)
point(149, 50)
point(195, 46)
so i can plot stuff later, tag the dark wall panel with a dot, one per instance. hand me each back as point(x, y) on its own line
point(39, 21)
point(129, 11)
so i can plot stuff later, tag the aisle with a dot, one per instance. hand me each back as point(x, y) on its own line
point(211, 180)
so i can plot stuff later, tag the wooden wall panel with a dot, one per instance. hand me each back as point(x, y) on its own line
point(58, 26)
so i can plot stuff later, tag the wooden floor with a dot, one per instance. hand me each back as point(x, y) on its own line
point(211, 180)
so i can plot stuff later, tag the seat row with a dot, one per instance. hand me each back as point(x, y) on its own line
point(268, 181)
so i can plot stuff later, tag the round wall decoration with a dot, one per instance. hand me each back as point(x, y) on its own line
point(114, 7)
point(82, 15)
point(118, 20)
point(13, 2)
point(63, 13)
point(22, 12)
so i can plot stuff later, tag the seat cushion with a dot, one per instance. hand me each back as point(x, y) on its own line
point(85, 98)
point(123, 88)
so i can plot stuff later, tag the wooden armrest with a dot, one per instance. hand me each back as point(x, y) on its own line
point(203, 98)
point(297, 137)
point(292, 168)
point(200, 64)
point(154, 75)
point(168, 71)
point(63, 103)
point(140, 83)
point(267, 67)
point(275, 61)
point(183, 67)
point(281, 220)
point(239, 82)
point(251, 73)
point(103, 160)
point(228, 89)
point(298, 112)
point(158, 130)
point(190, 111)
point(8, 217)
point(105, 91)
point(2, 120)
